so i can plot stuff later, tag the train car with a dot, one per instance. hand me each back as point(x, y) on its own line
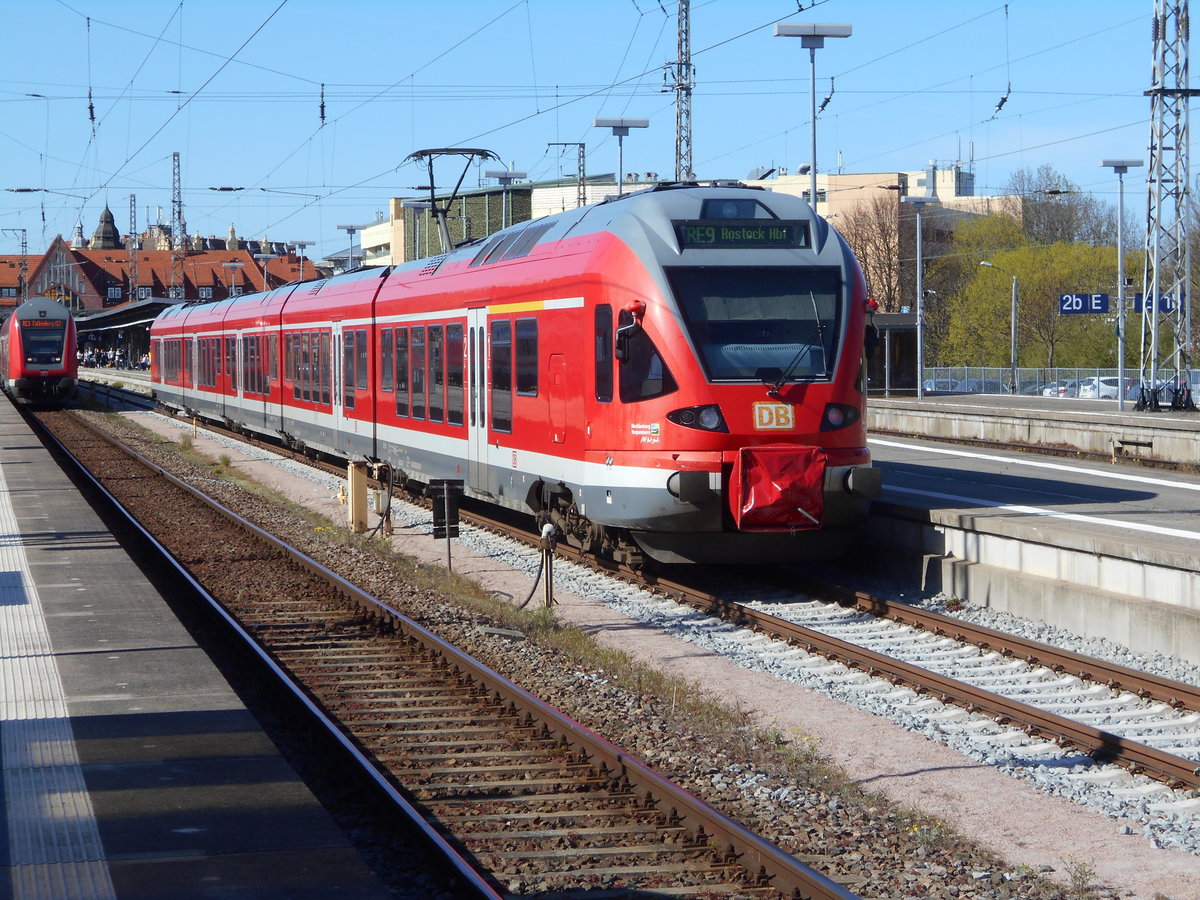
point(38, 353)
point(675, 374)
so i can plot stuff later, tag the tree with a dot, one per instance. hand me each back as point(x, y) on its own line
point(1051, 208)
point(872, 228)
point(979, 332)
point(974, 240)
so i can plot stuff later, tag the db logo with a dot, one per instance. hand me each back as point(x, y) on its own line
point(773, 417)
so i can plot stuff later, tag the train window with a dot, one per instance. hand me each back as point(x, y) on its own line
point(486, 253)
point(770, 324)
point(493, 247)
point(273, 360)
point(437, 380)
point(348, 369)
point(402, 371)
point(323, 383)
point(527, 357)
point(604, 353)
point(417, 353)
point(231, 362)
point(249, 347)
point(643, 374)
point(454, 374)
point(385, 361)
point(301, 343)
point(529, 237)
point(362, 370)
point(502, 375)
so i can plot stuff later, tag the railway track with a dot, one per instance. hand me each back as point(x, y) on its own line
point(1152, 724)
point(523, 798)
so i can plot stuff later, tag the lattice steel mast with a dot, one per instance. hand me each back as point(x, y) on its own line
point(133, 247)
point(1166, 308)
point(580, 176)
point(178, 231)
point(685, 79)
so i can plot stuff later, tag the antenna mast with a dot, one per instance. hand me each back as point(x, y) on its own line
point(1166, 304)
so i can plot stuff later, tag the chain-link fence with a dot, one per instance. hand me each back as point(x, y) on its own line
point(1097, 383)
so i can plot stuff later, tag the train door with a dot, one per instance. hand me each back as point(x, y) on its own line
point(556, 391)
point(338, 390)
point(477, 395)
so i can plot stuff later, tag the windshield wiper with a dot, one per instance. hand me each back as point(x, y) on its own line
point(777, 385)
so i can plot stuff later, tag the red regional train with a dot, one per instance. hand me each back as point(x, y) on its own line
point(37, 352)
point(676, 373)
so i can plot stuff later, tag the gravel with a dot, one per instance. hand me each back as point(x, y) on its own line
point(1138, 810)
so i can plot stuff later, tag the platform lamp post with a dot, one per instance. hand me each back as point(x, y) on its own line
point(620, 128)
point(233, 269)
point(1121, 166)
point(919, 204)
point(812, 36)
point(300, 245)
point(505, 177)
point(349, 229)
point(1012, 351)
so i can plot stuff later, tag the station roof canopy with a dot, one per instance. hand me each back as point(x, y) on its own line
point(128, 315)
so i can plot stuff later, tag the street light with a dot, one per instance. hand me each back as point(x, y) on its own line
point(813, 37)
point(349, 229)
point(919, 204)
point(1012, 351)
point(1121, 166)
point(620, 128)
point(505, 177)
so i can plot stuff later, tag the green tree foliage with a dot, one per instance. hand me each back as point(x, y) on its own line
point(979, 329)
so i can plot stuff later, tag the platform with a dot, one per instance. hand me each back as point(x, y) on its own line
point(1103, 549)
point(130, 767)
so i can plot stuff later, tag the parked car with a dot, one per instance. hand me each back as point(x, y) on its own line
point(1067, 387)
point(939, 385)
point(1105, 387)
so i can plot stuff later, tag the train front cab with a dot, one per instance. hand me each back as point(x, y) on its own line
point(741, 393)
point(39, 347)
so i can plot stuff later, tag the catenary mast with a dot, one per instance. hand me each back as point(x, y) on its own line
point(685, 79)
point(1166, 309)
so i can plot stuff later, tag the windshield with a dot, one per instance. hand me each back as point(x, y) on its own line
point(764, 323)
point(42, 341)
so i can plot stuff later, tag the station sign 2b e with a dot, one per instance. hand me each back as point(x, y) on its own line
point(1086, 304)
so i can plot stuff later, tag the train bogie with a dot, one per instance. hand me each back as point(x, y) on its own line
point(677, 373)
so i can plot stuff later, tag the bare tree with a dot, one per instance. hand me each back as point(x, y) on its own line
point(872, 227)
point(1051, 209)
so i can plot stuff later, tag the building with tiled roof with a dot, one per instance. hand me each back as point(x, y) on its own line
point(95, 279)
point(11, 280)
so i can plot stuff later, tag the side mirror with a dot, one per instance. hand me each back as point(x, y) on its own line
point(630, 321)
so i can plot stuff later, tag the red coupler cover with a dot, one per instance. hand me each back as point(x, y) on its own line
point(778, 487)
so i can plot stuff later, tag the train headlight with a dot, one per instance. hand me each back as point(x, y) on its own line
point(838, 415)
point(703, 418)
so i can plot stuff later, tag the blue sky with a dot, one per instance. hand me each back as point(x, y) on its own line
point(236, 89)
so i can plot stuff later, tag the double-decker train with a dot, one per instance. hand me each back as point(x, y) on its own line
point(37, 352)
point(676, 373)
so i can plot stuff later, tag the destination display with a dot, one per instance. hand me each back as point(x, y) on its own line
point(42, 323)
point(747, 234)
